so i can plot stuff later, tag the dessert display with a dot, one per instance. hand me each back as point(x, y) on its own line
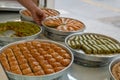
point(18, 29)
point(116, 71)
point(35, 58)
point(48, 12)
point(64, 24)
point(94, 44)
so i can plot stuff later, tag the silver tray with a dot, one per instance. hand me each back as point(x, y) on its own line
point(91, 60)
point(6, 39)
point(57, 35)
point(53, 76)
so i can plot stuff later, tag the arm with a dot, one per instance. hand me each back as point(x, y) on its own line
point(36, 12)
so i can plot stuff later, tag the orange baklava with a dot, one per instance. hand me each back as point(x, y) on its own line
point(34, 58)
point(48, 12)
point(116, 71)
point(64, 24)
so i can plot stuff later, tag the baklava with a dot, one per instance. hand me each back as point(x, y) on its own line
point(34, 58)
point(94, 44)
point(48, 12)
point(64, 24)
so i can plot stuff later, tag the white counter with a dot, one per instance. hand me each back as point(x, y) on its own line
point(79, 72)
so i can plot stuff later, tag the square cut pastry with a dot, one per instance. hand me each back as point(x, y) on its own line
point(32, 58)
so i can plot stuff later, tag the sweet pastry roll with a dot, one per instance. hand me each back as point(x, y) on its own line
point(66, 56)
point(59, 58)
point(12, 46)
point(54, 54)
point(40, 72)
point(47, 66)
point(26, 71)
point(49, 71)
point(46, 48)
point(43, 52)
point(23, 49)
point(6, 65)
point(47, 56)
point(13, 63)
point(58, 68)
point(18, 53)
point(14, 67)
point(36, 68)
point(21, 45)
point(27, 55)
point(31, 60)
point(28, 43)
point(18, 71)
point(40, 58)
point(3, 59)
point(56, 64)
point(16, 49)
point(40, 50)
point(9, 52)
point(36, 43)
point(24, 66)
point(22, 61)
point(33, 50)
point(37, 46)
point(26, 52)
point(30, 47)
point(57, 49)
point(52, 60)
point(11, 59)
point(53, 46)
point(65, 62)
point(2, 55)
point(62, 52)
point(43, 62)
point(44, 45)
point(50, 50)
point(20, 57)
point(33, 64)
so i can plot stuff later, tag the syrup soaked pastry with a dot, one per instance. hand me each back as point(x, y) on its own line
point(34, 58)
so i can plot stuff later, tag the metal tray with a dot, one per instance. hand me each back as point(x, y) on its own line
point(44, 77)
point(57, 35)
point(6, 39)
point(91, 60)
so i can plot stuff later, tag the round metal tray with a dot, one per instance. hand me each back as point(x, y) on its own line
point(57, 35)
point(29, 18)
point(91, 60)
point(113, 62)
point(52, 76)
point(6, 39)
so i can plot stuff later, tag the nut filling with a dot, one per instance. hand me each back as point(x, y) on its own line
point(116, 71)
point(34, 58)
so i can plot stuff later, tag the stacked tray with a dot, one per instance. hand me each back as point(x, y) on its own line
point(27, 16)
point(91, 49)
point(18, 30)
point(58, 28)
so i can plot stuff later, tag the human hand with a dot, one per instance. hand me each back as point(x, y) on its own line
point(38, 15)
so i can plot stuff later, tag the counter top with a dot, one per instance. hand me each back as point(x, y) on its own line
point(79, 72)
